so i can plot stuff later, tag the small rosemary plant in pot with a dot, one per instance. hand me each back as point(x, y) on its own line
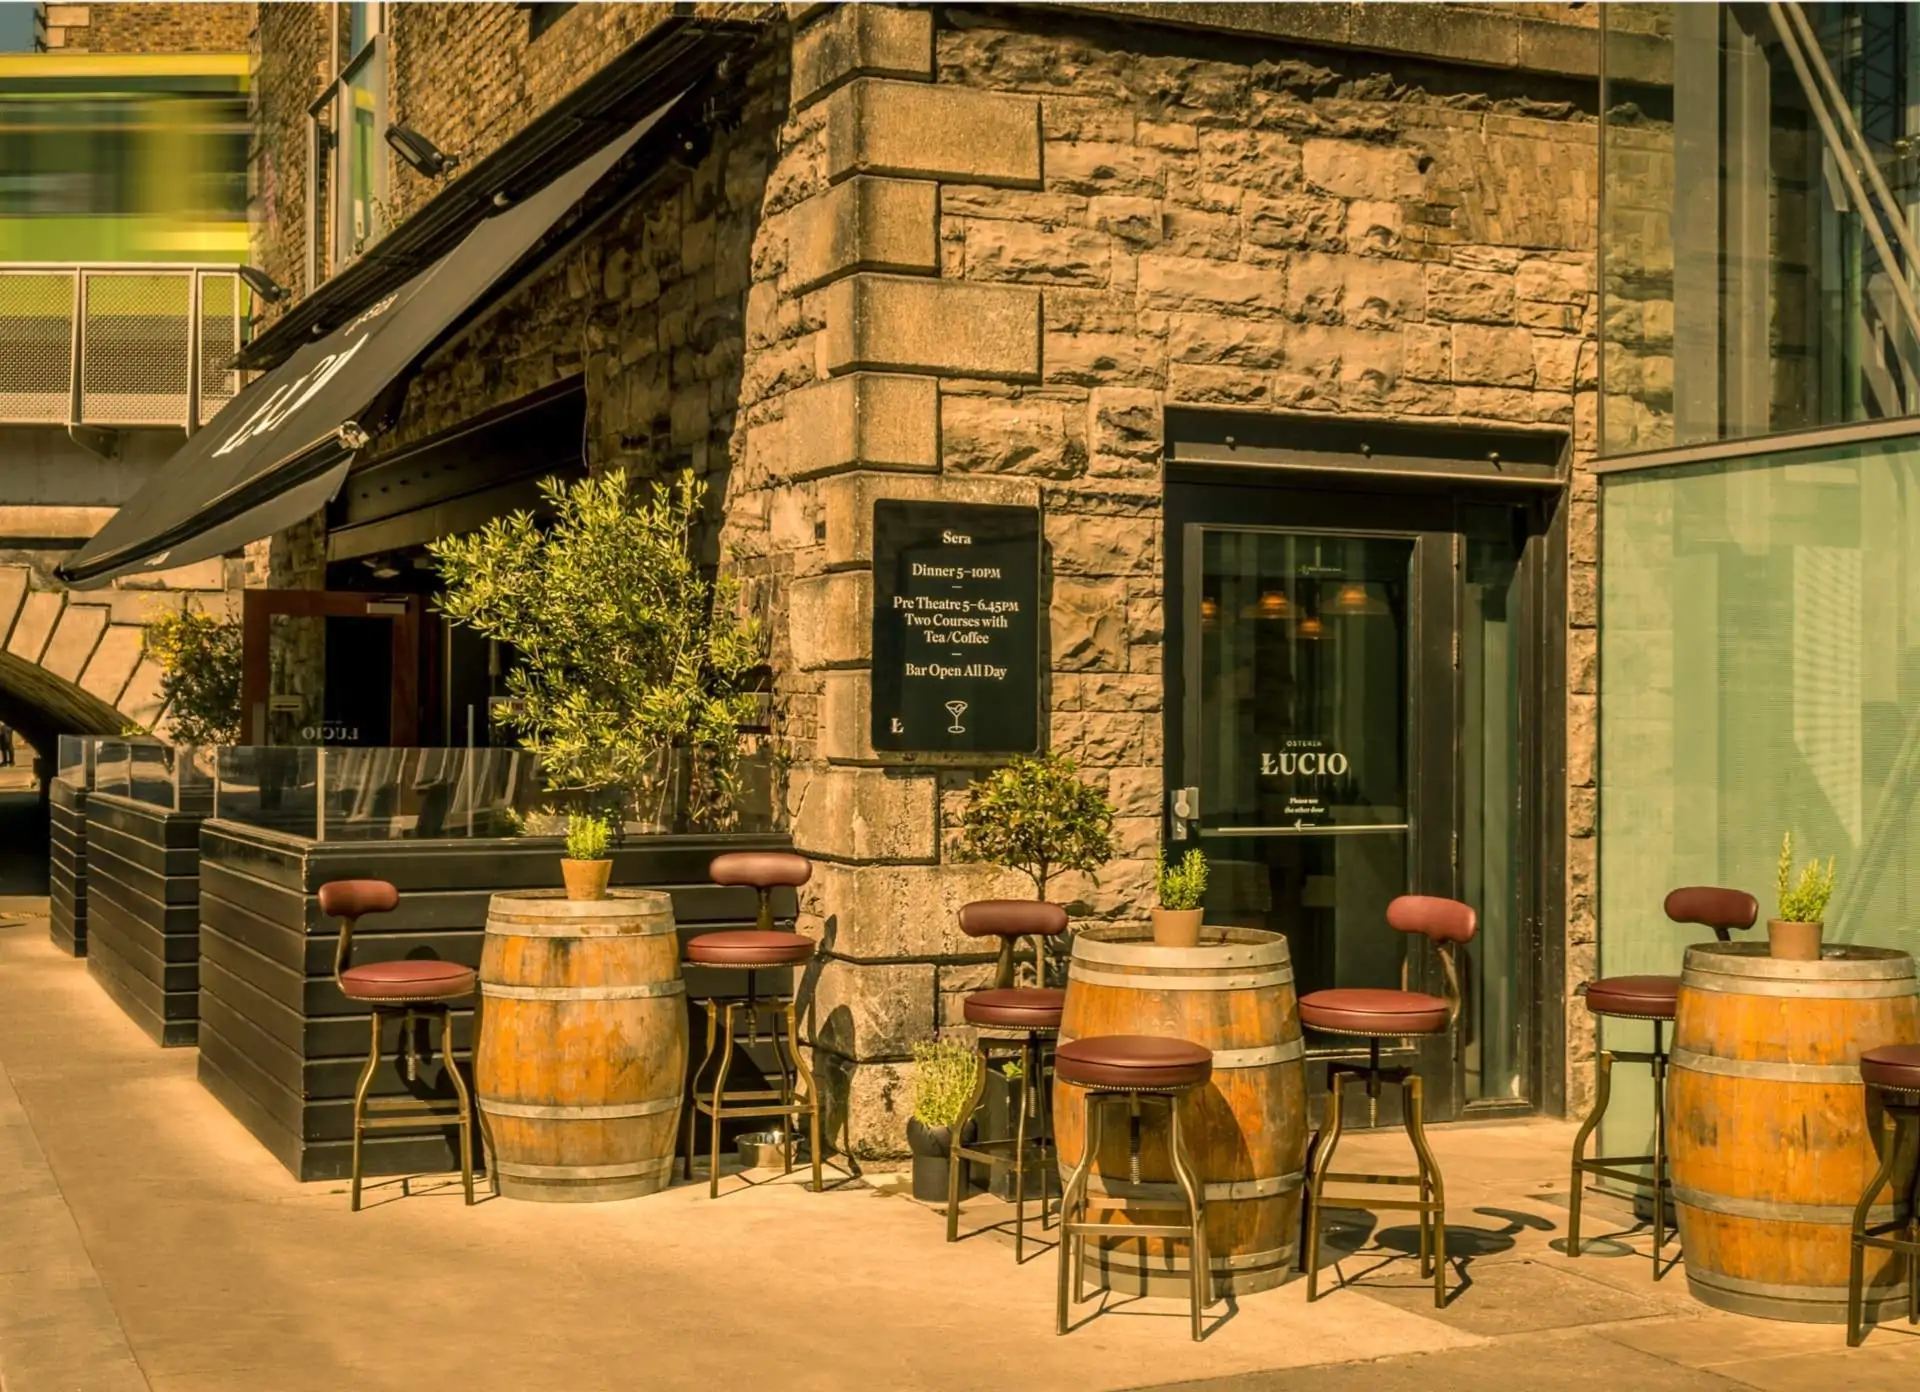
point(586, 867)
point(1183, 891)
point(945, 1073)
point(1795, 935)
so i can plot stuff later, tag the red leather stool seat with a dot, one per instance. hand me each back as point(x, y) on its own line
point(1133, 1061)
point(1021, 1007)
point(1892, 1066)
point(1363, 1011)
point(1635, 997)
point(415, 979)
point(748, 947)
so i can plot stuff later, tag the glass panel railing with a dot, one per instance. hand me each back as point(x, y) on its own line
point(401, 794)
point(74, 759)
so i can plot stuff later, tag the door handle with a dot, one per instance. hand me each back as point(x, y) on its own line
point(1186, 809)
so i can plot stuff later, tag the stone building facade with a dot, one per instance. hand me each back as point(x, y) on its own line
point(977, 254)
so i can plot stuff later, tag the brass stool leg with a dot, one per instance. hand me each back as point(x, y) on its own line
point(1043, 1114)
point(1427, 1165)
point(1020, 1153)
point(1201, 1263)
point(1425, 1211)
point(1896, 1147)
point(466, 1103)
point(719, 1087)
point(360, 1105)
point(1659, 1149)
point(693, 1085)
point(1323, 1149)
point(1074, 1192)
point(1602, 1095)
point(805, 1076)
point(955, 1163)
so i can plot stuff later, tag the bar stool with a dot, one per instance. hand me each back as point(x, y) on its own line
point(1652, 998)
point(1375, 1015)
point(1892, 1075)
point(1014, 1021)
point(754, 950)
point(1130, 1069)
point(414, 988)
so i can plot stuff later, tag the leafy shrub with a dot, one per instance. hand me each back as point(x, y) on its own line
point(199, 659)
point(1804, 901)
point(627, 653)
point(1036, 815)
point(943, 1078)
point(1183, 886)
point(587, 837)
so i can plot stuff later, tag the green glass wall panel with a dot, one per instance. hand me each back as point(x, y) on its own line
point(1760, 673)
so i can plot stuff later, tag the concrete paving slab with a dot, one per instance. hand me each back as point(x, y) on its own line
point(58, 1328)
point(1573, 1361)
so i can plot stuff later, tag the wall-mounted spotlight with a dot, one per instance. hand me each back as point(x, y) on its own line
point(263, 285)
point(426, 157)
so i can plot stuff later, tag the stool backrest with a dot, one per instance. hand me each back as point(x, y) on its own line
point(764, 871)
point(1443, 922)
point(1715, 908)
point(348, 901)
point(1011, 920)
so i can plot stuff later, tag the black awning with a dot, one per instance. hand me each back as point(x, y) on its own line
point(280, 450)
point(677, 54)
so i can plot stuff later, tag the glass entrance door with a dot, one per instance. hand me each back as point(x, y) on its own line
point(1348, 723)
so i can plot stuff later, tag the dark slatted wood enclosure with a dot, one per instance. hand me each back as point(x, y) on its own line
point(67, 867)
point(282, 1049)
point(143, 912)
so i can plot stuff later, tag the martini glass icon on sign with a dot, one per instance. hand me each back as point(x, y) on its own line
point(956, 709)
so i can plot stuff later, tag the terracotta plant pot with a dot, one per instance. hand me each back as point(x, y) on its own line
point(586, 879)
point(1793, 942)
point(1177, 927)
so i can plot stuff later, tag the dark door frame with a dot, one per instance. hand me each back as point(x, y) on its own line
point(1298, 452)
point(257, 611)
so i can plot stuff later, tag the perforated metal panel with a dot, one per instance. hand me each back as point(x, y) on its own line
point(134, 348)
point(137, 349)
point(36, 346)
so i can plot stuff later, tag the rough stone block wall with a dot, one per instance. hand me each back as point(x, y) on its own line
point(1135, 218)
point(843, 302)
point(149, 28)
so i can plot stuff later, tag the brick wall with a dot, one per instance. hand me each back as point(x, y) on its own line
point(149, 28)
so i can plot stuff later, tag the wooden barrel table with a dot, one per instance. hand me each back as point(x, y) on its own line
point(580, 1062)
point(1246, 1130)
point(1768, 1138)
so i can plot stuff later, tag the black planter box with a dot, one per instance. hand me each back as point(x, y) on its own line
point(67, 866)
point(282, 1049)
point(143, 912)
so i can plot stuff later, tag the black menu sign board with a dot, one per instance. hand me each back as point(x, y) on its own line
point(956, 636)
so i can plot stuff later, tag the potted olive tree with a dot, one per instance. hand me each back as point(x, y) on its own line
point(631, 663)
point(943, 1077)
point(586, 867)
point(1036, 815)
point(1183, 891)
point(1795, 935)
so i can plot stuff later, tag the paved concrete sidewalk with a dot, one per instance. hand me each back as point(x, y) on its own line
point(147, 1240)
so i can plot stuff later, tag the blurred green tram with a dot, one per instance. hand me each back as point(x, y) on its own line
point(118, 158)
